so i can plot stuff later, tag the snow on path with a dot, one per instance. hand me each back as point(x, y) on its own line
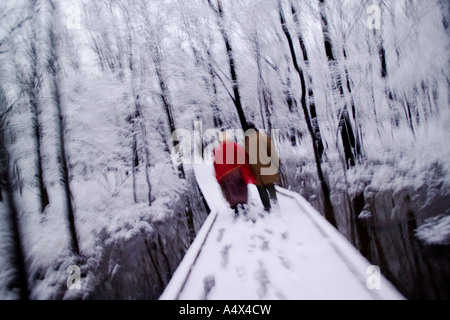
point(291, 253)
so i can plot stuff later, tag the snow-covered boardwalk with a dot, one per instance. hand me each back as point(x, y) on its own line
point(292, 253)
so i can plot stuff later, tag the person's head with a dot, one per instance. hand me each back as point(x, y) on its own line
point(225, 136)
point(251, 125)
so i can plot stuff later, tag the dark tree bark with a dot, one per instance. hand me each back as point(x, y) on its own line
point(407, 107)
point(147, 162)
point(134, 162)
point(312, 105)
point(210, 83)
point(132, 119)
point(382, 55)
point(264, 94)
point(214, 105)
point(290, 100)
point(20, 278)
point(34, 86)
point(328, 208)
point(352, 150)
point(18, 258)
point(166, 102)
point(357, 144)
point(237, 98)
point(137, 120)
point(326, 35)
point(165, 99)
point(55, 72)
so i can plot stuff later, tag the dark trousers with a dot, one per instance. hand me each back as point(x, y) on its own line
point(234, 189)
point(266, 191)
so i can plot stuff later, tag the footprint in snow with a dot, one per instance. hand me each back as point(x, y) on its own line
point(261, 276)
point(265, 245)
point(251, 247)
point(263, 242)
point(284, 261)
point(224, 254)
point(220, 235)
point(209, 283)
point(240, 271)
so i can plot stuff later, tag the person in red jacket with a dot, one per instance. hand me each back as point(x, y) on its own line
point(233, 172)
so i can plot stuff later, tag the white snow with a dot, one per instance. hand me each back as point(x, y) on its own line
point(291, 253)
point(435, 231)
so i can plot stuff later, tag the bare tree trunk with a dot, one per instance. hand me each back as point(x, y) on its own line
point(147, 177)
point(290, 100)
point(382, 55)
point(384, 74)
point(237, 97)
point(132, 118)
point(147, 158)
point(357, 146)
point(164, 95)
point(216, 116)
point(312, 105)
point(168, 108)
point(373, 96)
point(137, 118)
point(34, 86)
point(328, 208)
point(20, 278)
point(165, 99)
point(407, 107)
point(351, 150)
point(264, 94)
point(55, 72)
point(134, 162)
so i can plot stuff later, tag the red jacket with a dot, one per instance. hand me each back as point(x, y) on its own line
point(228, 157)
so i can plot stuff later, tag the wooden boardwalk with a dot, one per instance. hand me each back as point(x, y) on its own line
point(292, 253)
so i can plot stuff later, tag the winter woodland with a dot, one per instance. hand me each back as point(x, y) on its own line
point(93, 92)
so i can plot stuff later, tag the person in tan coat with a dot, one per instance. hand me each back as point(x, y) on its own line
point(265, 164)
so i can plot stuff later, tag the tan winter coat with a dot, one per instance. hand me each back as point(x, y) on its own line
point(263, 158)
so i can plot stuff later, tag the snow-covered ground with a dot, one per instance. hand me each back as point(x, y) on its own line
point(291, 253)
point(435, 231)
